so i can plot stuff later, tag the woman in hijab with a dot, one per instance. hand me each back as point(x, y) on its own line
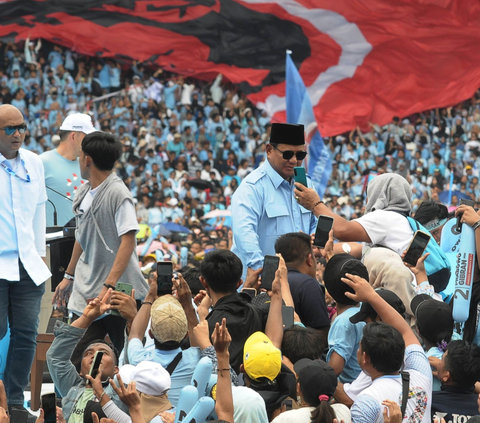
point(389, 202)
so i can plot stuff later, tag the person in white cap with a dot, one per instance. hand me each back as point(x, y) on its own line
point(62, 171)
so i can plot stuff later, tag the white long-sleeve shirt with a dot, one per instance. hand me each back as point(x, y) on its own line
point(22, 217)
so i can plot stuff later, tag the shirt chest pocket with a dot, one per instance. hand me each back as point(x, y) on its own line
point(29, 198)
point(279, 220)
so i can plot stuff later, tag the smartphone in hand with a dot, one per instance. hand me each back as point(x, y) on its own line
point(466, 202)
point(287, 316)
point(126, 288)
point(300, 175)
point(164, 277)
point(324, 226)
point(97, 359)
point(49, 407)
point(270, 266)
point(416, 248)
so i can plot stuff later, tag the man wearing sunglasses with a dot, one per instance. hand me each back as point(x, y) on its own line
point(264, 205)
point(22, 247)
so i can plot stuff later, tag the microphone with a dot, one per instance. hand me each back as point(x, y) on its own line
point(59, 193)
point(55, 227)
point(54, 212)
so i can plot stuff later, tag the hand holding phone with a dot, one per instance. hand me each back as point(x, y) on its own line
point(270, 266)
point(126, 288)
point(416, 248)
point(287, 316)
point(97, 359)
point(300, 175)
point(465, 202)
point(324, 226)
point(49, 407)
point(164, 278)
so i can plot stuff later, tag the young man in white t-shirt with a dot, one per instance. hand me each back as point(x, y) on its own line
point(383, 349)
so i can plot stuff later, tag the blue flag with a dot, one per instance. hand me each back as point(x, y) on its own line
point(300, 110)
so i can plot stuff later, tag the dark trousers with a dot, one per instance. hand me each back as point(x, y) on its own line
point(19, 305)
point(113, 326)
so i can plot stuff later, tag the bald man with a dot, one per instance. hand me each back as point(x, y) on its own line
point(22, 247)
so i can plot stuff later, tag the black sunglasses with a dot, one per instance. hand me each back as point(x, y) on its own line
point(288, 154)
point(10, 130)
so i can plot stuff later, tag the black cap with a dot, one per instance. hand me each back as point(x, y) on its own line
point(434, 318)
point(335, 270)
point(316, 378)
point(287, 133)
point(367, 310)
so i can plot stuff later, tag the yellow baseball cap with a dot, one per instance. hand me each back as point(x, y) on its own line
point(261, 358)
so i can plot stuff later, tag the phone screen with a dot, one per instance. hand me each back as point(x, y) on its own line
point(300, 175)
point(270, 266)
point(164, 277)
point(49, 407)
point(287, 316)
point(96, 364)
point(417, 247)
point(19, 416)
point(324, 226)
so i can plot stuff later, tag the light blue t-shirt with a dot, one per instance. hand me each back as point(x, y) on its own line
point(62, 175)
point(344, 338)
point(182, 374)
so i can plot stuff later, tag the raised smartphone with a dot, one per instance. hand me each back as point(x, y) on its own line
point(324, 226)
point(49, 407)
point(97, 359)
point(126, 288)
point(164, 277)
point(300, 175)
point(470, 203)
point(270, 266)
point(287, 316)
point(416, 248)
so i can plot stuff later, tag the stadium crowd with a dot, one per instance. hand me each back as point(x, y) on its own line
point(187, 145)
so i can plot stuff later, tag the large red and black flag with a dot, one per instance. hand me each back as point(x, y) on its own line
point(361, 60)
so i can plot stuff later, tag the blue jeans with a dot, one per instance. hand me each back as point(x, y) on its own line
point(19, 301)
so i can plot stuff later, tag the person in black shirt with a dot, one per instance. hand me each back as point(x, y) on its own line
point(221, 272)
point(458, 371)
point(308, 294)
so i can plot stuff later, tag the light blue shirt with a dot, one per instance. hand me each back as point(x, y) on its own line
point(344, 338)
point(22, 217)
point(265, 208)
point(62, 175)
point(181, 376)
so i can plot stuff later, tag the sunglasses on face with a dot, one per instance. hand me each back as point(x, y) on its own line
point(288, 154)
point(10, 130)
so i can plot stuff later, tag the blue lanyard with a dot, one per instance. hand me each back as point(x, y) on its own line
point(11, 172)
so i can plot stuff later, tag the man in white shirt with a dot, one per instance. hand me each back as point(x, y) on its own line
point(62, 171)
point(384, 348)
point(22, 247)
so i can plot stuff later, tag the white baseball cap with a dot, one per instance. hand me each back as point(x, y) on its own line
point(150, 377)
point(78, 122)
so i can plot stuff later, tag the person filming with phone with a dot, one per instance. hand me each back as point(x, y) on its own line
point(385, 224)
point(264, 203)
